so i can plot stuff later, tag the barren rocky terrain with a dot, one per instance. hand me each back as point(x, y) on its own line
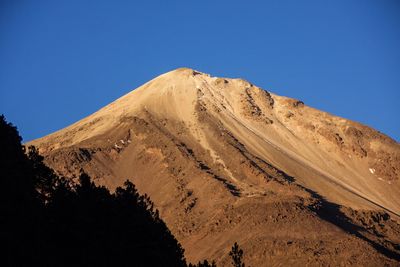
point(226, 161)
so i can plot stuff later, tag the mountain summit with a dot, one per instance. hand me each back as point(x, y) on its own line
point(226, 161)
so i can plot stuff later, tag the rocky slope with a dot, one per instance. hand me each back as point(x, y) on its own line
point(226, 161)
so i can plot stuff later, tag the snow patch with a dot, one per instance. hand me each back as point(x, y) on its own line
point(372, 170)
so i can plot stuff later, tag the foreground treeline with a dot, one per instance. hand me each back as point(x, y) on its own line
point(47, 220)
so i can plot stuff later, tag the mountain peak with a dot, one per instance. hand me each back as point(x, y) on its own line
point(185, 72)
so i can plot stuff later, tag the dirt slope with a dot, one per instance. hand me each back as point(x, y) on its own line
point(226, 161)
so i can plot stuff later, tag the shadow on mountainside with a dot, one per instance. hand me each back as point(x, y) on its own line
point(332, 213)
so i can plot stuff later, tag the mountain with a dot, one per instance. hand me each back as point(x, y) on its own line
point(224, 161)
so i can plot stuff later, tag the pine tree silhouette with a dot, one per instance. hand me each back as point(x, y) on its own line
point(205, 263)
point(48, 220)
point(237, 256)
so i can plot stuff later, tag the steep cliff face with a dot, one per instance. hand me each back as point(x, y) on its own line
point(226, 161)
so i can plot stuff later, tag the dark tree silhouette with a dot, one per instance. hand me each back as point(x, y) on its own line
point(236, 256)
point(19, 207)
point(47, 220)
point(205, 263)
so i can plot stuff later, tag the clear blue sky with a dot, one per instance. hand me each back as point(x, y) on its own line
point(62, 60)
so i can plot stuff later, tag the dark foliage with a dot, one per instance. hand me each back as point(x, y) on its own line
point(205, 263)
point(237, 256)
point(48, 221)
